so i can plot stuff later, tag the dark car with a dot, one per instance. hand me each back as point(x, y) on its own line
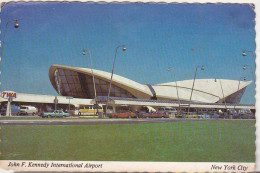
point(216, 116)
point(155, 115)
point(123, 114)
point(236, 116)
point(247, 116)
point(224, 115)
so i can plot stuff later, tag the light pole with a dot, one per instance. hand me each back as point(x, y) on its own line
point(16, 25)
point(69, 97)
point(244, 78)
point(254, 56)
point(222, 93)
point(123, 49)
point(244, 68)
point(202, 68)
point(176, 85)
point(93, 77)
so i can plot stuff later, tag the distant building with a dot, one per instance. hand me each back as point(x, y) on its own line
point(78, 82)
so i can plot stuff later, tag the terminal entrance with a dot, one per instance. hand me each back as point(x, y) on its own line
point(136, 108)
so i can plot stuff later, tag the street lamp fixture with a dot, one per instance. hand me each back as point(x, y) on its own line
point(250, 51)
point(243, 53)
point(16, 25)
point(201, 68)
point(172, 68)
point(123, 49)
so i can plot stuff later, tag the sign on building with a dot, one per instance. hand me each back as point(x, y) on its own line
point(8, 94)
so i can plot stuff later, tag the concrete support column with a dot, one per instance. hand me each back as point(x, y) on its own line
point(114, 108)
point(9, 109)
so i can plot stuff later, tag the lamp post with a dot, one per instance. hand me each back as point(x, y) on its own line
point(244, 68)
point(172, 68)
point(84, 52)
point(123, 49)
point(222, 93)
point(244, 78)
point(16, 25)
point(254, 56)
point(202, 68)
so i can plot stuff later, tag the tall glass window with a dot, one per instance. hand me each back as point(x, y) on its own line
point(80, 85)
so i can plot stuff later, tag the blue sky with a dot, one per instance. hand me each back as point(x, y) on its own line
point(156, 36)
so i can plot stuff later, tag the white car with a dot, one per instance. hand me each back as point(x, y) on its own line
point(168, 110)
point(28, 110)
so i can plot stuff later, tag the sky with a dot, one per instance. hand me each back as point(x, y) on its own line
point(156, 36)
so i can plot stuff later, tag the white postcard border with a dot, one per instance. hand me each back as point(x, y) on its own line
point(154, 166)
point(103, 166)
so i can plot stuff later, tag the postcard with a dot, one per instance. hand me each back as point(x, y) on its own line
point(102, 86)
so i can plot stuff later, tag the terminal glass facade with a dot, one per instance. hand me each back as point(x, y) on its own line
point(80, 85)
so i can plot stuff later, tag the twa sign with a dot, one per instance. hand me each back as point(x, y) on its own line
point(8, 94)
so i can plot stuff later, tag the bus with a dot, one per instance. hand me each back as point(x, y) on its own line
point(89, 110)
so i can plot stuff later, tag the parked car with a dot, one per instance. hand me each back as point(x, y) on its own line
point(244, 111)
point(123, 114)
point(191, 116)
point(253, 116)
point(224, 115)
point(204, 116)
point(28, 110)
point(247, 116)
point(168, 110)
point(155, 115)
point(232, 112)
point(57, 113)
point(181, 115)
point(236, 116)
point(216, 116)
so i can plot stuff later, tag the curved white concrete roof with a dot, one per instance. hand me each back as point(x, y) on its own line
point(135, 88)
point(205, 90)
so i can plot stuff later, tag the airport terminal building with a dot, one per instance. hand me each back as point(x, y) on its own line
point(75, 88)
point(78, 83)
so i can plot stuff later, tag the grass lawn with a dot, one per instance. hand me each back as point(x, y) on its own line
point(187, 141)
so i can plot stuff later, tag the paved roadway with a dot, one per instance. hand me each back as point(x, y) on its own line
point(71, 121)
